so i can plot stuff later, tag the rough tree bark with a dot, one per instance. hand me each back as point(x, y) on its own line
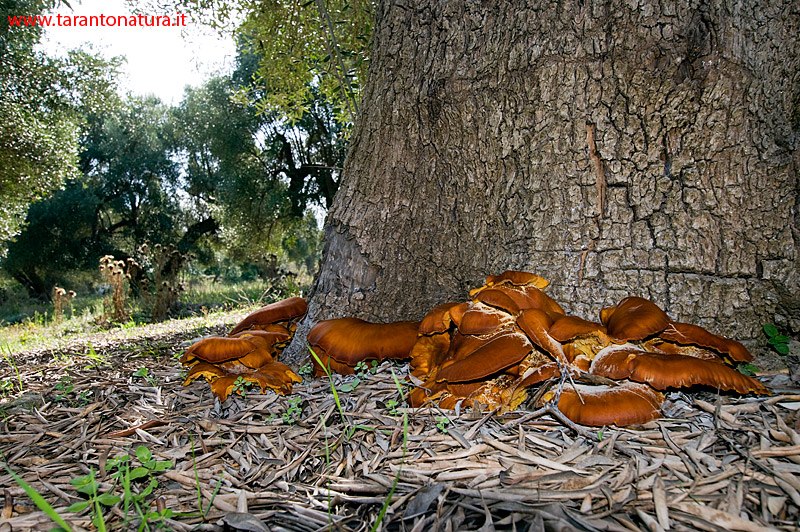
point(614, 148)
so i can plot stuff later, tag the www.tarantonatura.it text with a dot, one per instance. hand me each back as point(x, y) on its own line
point(98, 21)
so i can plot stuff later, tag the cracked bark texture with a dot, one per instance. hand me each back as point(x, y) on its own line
point(615, 148)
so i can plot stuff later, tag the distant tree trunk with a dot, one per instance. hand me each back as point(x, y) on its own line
point(614, 148)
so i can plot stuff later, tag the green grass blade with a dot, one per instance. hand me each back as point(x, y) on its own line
point(38, 500)
point(214, 495)
point(333, 387)
point(99, 521)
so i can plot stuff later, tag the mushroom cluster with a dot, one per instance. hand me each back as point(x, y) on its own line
point(249, 354)
point(340, 344)
point(511, 335)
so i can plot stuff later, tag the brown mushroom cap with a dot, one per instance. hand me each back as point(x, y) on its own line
point(223, 377)
point(627, 404)
point(252, 351)
point(497, 298)
point(429, 352)
point(272, 337)
point(567, 328)
point(514, 299)
point(662, 371)
point(537, 374)
point(635, 318)
point(511, 278)
point(535, 323)
point(284, 310)
point(428, 392)
point(275, 376)
point(437, 320)
point(518, 278)
point(204, 370)
point(479, 319)
point(327, 363)
point(352, 340)
point(480, 358)
point(685, 333)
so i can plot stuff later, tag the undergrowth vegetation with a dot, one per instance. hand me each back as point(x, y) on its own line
point(26, 322)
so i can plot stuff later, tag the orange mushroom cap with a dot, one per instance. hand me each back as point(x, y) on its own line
point(518, 278)
point(477, 360)
point(539, 374)
point(204, 370)
point(223, 377)
point(429, 352)
point(514, 299)
point(429, 391)
point(326, 362)
point(275, 376)
point(662, 371)
point(566, 328)
point(627, 404)
point(659, 345)
point(535, 323)
point(284, 310)
point(497, 298)
point(437, 320)
point(272, 337)
point(511, 277)
point(479, 319)
point(635, 318)
point(251, 351)
point(685, 333)
point(352, 340)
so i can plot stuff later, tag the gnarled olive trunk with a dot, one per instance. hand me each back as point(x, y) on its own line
point(614, 148)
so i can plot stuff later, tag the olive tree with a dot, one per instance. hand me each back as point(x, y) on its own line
point(614, 148)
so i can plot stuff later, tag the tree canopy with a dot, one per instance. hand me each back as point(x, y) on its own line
point(44, 100)
point(211, 175)
point(239, 170)
point(303, 50)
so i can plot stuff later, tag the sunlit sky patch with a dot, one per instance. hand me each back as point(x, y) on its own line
point(160, 61)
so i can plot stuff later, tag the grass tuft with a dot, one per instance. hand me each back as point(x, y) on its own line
point(38, 500)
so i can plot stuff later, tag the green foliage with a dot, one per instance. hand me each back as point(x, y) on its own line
point(256, 175)
point(322, 42)
point(218, 175)
point(126, 161)
point(441, 423)
point(123, 199)
point(393, 405)
point(44, 100)
point(88, 486)
point(305, 370)
point(143, 373)
point(38, 500)
point(747, 369)
point(58, 237)
point(777, 341)
point(363, 370)
point(240, 385)
point(65, 389)
point(302, 46)
point(293, 411)
point(136, 484)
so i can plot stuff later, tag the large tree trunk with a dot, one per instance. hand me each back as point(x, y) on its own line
point(614, 148)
